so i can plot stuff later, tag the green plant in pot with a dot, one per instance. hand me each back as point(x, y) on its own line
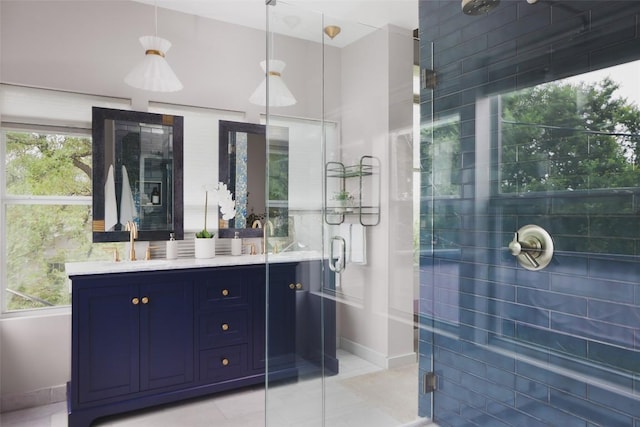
point(224, 199)
point(204, 234)
point(343, 198)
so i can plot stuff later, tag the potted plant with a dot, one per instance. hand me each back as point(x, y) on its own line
point(344, 200)
point(205, 244)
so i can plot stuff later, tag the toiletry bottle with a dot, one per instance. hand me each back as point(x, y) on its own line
point(155, 196)
point(236, 244)
point(172, 247)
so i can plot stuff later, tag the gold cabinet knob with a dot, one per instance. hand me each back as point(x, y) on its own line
point(225, 326)
point(135, 301)
point(292, 286)
point(145, 300)
point(298, 285)
point(225, 361)
point(225, 292)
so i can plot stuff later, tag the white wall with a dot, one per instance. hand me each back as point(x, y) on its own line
point(36, 359)
point(89, 46)
point(377, 95)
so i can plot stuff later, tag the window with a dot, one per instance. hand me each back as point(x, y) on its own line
point(45, 177)
point(579, 133)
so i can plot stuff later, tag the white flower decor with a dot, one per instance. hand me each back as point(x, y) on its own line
point(226, 202)
point(224, 199)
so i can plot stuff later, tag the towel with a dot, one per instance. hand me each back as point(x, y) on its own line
point(358, 252)
point(345, 232)
point(110, 206)
point(127, 206)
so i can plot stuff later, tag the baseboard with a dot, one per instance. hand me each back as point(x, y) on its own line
point(375, 357)
point(45, 396)
point(402, 360)
point(420, 422)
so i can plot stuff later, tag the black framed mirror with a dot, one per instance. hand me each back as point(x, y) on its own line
point(243, 163)
point(137, 174)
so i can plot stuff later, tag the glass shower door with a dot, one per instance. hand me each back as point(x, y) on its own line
point(296, 271)
point(351, 260)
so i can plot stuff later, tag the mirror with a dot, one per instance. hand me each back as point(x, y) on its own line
point(137, 175)
point(243, 167)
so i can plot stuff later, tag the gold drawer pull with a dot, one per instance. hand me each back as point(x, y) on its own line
point(299, 286)
point(225, 326)
point(145, 300)
point(135, 301)
point(292, 286)
point(225, 361)
point(225, 292)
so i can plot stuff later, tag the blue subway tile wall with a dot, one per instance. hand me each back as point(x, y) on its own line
point(513, 347)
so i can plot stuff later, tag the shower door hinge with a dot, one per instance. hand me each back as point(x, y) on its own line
point(429, 382)
point(428, 78)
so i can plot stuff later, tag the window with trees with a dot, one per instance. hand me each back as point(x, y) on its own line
point(47, 207)
point(45, 177)
point(575, 134)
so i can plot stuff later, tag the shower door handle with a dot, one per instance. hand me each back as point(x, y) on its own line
point(340, 263)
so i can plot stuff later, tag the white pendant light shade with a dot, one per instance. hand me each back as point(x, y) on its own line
point(279, 94)
point(153, 72)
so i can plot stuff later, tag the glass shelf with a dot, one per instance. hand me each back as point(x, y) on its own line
point(367, 174)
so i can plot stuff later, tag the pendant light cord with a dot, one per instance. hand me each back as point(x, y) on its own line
point(156, 17)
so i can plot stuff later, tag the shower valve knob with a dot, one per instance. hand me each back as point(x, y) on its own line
point(529, 249)
point(532, 246)
point(515, 247)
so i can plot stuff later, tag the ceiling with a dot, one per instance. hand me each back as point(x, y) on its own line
point(303, 18)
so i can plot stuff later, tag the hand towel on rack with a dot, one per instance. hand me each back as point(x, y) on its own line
point(110, 206)
point(345, 233)
point(127, 206)
point(358, 244)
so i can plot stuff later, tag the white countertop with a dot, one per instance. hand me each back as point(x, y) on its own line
point(108, 267)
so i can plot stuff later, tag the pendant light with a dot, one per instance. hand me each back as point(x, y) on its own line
point(154, 73)
point(273, 86)
point(279, 93)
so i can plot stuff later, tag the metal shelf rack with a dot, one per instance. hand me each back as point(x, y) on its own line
point(366, 203)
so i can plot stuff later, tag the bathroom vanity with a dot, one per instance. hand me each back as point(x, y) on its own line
point(148, 333)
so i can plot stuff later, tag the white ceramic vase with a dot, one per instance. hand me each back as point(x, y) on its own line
point(205, 248)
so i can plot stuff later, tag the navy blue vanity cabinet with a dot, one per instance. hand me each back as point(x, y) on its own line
point(143, 339)
point(224, 312)
point(132, 342)
point(281, 340)
point(316, 317)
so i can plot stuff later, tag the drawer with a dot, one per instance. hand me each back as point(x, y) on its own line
point(222, 290)
point(224, 327)
point(223, 363)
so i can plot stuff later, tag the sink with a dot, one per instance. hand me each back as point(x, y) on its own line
point(295, 256)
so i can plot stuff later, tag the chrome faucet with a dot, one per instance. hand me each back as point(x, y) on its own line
point(133, 235)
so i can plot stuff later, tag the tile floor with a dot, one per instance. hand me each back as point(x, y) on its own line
point(348, 402)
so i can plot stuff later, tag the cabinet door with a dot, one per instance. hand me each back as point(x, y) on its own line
point(166, 333)
point(316, 316)
point(280, 336)
point(107, 341)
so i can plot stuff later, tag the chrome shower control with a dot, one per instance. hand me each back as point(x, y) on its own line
point(532, 246)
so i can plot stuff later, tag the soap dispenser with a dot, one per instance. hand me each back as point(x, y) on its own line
point(236, 244)
point(172, 247)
